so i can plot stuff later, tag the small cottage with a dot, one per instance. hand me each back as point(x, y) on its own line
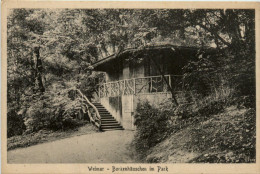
point(144, 74)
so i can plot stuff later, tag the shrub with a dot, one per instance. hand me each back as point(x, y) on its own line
point(15, 123)
point(155, 124)
point(152, 126)
point(201, 75)
point(208, 73)
point(52, 110)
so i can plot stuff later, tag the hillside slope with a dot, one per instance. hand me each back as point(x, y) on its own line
point(224, 138)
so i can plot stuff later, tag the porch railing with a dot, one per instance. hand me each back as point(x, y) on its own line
point(140, 85)
point(90, 108)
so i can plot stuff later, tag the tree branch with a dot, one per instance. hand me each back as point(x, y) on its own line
point(164, 78)
point(215, 34)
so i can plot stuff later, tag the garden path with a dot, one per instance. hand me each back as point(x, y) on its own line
point(100, 147)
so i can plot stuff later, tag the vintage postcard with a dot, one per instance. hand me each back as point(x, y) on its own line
point(130, 87)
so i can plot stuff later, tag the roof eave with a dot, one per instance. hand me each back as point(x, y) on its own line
point(114, 56)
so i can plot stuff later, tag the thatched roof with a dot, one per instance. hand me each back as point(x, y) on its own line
point(108, 61)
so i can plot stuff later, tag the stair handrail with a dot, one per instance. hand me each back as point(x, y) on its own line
point(98, 124)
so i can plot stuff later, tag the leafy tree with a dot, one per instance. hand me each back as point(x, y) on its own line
point(46, 46)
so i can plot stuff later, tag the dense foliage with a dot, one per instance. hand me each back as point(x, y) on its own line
point(212, 83)
point(152, 124)
point(50, 51)
point(216, 126)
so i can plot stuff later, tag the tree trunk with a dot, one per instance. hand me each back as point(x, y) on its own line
point(164, 78)
point(38, 70)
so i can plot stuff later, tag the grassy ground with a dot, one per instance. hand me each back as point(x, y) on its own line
point(227, 137)
point(47, 136)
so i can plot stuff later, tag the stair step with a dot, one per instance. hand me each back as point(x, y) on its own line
point(103, 112)
point(105, 123)
point(110, 127)
point(108, 118)
point(114, 129)
point(110, 124)
point(109, 121)
point(108, 115)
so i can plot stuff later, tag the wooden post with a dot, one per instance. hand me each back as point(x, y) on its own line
point(170, 81)
point(110, 92)
point(124, 88)
point(103, 90)
point(118, 84)
point(134, 86)
point(151, 87)
point(99, 92)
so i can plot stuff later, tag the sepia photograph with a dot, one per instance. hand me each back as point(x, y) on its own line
point(131, 86)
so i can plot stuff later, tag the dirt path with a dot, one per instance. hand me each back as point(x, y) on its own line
point(104, 147)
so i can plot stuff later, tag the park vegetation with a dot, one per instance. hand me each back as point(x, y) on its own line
point(50, 51)
point(215, 119)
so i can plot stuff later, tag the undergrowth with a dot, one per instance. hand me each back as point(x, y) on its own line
point(229, 141)
point(41, 136)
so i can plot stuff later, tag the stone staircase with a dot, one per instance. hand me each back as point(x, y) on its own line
point(108, 122)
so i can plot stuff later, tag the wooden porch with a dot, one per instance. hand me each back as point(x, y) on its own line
point(141, 85)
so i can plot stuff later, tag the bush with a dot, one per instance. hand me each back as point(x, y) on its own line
point(52, 110)
point(208, 72)
point(152, 126)
point(55, 109)
point(15, 123)
point(202, 74)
